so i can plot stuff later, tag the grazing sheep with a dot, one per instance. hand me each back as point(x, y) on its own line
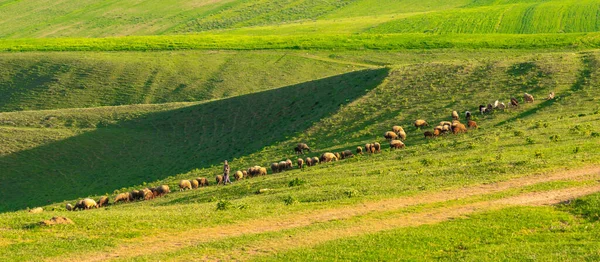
point(309, 161)
point(514, 102)
point(299, 149)
point(315, 161)
point(472, 124)
point(396, 144)
point(328, 157)
point(454, 115)
point(245, 173)
point(377, 147)
point(289, 164)
point(420, 123)
point(389, 135)
point(501, 106)
point(69, 207)
point(359, 150)
point(202, 181)
point(134, 195)
point(160, 190)
point(397, 129)
point(368, 148)
point(446, 129)
point(103, 201)
point(86, 203)
point(402, 135)
point(275, 167)
point(429, 134)
point(528, 98)
point(282, 166)
point(195, 183)
point(437, 132)
point(460, 128)
point(496, 104)
point(219, 179)
point(148, 194)
point(123, 197)
point(482, 109)
point(262, 171)
point(300, 163)
point(252, 171)
point(468, 115)
point(455, 123)
point(184, 185)
point(550, 96)
point(338, 156)
point(238, 175)
point(489, 108)
point(347, 153)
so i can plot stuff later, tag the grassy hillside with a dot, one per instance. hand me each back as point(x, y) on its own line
point(74, 80)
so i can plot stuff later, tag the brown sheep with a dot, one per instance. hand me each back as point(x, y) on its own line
point(275, 168)
point(160, 190)
point(359, 150)
point(245, 173)
point(528, 98)
point(455, 115)
point(472, 124)
point(103, 201)
point(368, 148)
point(437, 132)
point(123, 197)
point(288, 164)
point(315, 161)
point(69, 207)
point(202, 181)
point(428, 134)
point(389, 135)
point(328, 157)
point(219, 179)
point(195, 183)
point(420, 123)
point(238, 175)
point(402, 135)
point(514, 102)
point(309, 161)
point(347, 153)
point(300, 163)
point(184, 185)
point(395, 144)
point(135, 194)
point(299, 149)
point(148, 194)
point(86, 203)
point(252, 171)
point(397, 129)
point(282, 166)
point(550, 96)
point(338, 155)
point(460, 128)
point(377, 147)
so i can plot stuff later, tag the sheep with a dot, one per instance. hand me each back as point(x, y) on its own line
point(315, 161)
point(446, 123)
point(489, 108)
point(195, 183)
point(160, 190)
point(275, 167)
point(328, 157)
point(299, 149)
point(454, 123)
point(446, 128)
point(282, 166)
point(359, 150)
point(69, 207)
point(309, 161)
point(184, 185)
point(501, 106)
point(338, 156)
point(514, 102)
point(454, 115)
point(397, 129)
point(496, 104)
point(86, 203)
point(347, 153)
point(377, 147)
point(395, 144)
point(528, 98)
point(148, 194)
point(389, 135)
point(219, 179)
point(402, 135)
point(103, 201)
point(468, 115)
point(550, 96)
point(368, 148)
point(472, 124)
point(238, 175)
point(289, 164)
point(420, 123)
point(482, 109)
point(428, 134)
point(253, 172)
point(300, 163)
point(134, 195)
point(437, 132)
point(123, 197)
point(202, 181)
point(262, 171)
point(460, 128)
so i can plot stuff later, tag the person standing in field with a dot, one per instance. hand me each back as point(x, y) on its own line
point(226, 173)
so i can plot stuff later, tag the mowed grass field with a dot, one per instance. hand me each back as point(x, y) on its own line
point(100, 98)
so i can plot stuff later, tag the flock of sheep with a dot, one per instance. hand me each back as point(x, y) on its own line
point(394, 137)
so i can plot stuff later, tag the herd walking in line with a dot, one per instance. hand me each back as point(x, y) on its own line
point(396, 138)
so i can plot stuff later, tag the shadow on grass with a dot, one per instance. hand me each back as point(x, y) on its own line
point(163, 144)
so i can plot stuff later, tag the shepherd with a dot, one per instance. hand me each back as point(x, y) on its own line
point(226, 173)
